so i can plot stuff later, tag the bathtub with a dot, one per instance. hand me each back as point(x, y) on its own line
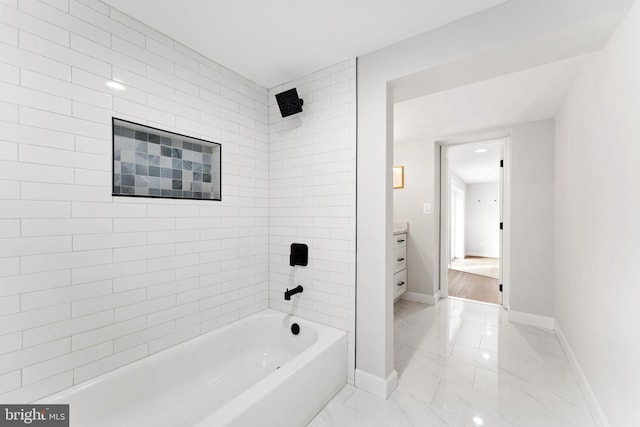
point(254, 372)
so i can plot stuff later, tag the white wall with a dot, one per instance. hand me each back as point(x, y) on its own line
point(482, 211)
point(312, 185)
point(532, 199)
point(408, 202)
point(597, 231)
point(516, 35)
point(91, 282)
point(532, 255)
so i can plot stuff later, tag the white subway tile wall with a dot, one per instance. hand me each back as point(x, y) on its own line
point(312, 189)
point(90, 282)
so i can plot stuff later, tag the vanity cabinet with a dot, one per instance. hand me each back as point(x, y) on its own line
point(400, 264)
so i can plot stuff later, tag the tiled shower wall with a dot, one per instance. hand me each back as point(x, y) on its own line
point(312, 194)
point(146, 163)
point(91, 282)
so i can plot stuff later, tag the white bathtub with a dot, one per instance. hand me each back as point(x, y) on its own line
point(254, 372)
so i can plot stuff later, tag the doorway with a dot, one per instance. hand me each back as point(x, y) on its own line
point(472, 212)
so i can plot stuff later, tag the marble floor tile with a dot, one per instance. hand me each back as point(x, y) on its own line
point(402, 410)
point(475, 356)
point(472, 404)
point(338, 414)
point(418, 384)
point(464, 364)
point(507, 390)
point(344, 394)
point(432, 363)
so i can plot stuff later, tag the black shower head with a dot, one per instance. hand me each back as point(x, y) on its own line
point(289, 102)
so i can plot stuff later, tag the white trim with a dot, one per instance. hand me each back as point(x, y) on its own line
point(421, 298)
point(377, 386)
point(505, 254)
point(532, 319)
point(443, 205)
point(594, 407)
point(481, 255)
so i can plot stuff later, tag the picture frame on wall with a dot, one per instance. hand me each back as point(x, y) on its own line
point(398, 177)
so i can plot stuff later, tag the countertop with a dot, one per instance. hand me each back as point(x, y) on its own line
point(400, 227)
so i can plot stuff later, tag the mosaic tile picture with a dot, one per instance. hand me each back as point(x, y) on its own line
point(150, 162)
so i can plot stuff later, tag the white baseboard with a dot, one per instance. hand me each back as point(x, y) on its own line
point(379, 387)
point(421, 298)
point(596, 411)
point(532, 319)
point(550, 323)
point(482, 255)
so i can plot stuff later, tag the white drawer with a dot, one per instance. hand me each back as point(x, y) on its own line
point(400, 240)
point(399, 259)
point(399, 283)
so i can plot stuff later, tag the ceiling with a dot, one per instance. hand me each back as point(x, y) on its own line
point(533, 94)
point(273, 42)
point(475, 164)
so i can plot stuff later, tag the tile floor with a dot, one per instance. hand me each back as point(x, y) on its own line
point(462, 363)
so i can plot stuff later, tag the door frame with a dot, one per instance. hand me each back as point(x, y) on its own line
point(444, 186)
point(457, 204)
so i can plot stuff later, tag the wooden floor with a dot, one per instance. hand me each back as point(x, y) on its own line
point(473, 287)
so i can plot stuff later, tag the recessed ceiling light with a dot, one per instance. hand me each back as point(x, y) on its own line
point(481, 150)
point(486, 356)
point(478, 421)
point(115, 85)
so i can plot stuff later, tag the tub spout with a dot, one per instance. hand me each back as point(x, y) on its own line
point(288, 293)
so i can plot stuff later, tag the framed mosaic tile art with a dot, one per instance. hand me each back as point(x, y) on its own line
point(150, 162)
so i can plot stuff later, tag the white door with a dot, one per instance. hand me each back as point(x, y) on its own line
point(457, 222)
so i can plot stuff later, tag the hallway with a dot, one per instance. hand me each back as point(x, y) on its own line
point(463, 364)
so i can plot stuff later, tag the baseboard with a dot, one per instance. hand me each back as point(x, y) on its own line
point(379, 387)
point(532, 319)
point(596, 411)
point(421, 298)
point(478, 254)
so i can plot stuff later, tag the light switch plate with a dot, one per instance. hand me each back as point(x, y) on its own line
point(427, 208)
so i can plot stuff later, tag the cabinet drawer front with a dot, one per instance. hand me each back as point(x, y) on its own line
point(400, 240)
point(399, 283)
point(399, 259)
